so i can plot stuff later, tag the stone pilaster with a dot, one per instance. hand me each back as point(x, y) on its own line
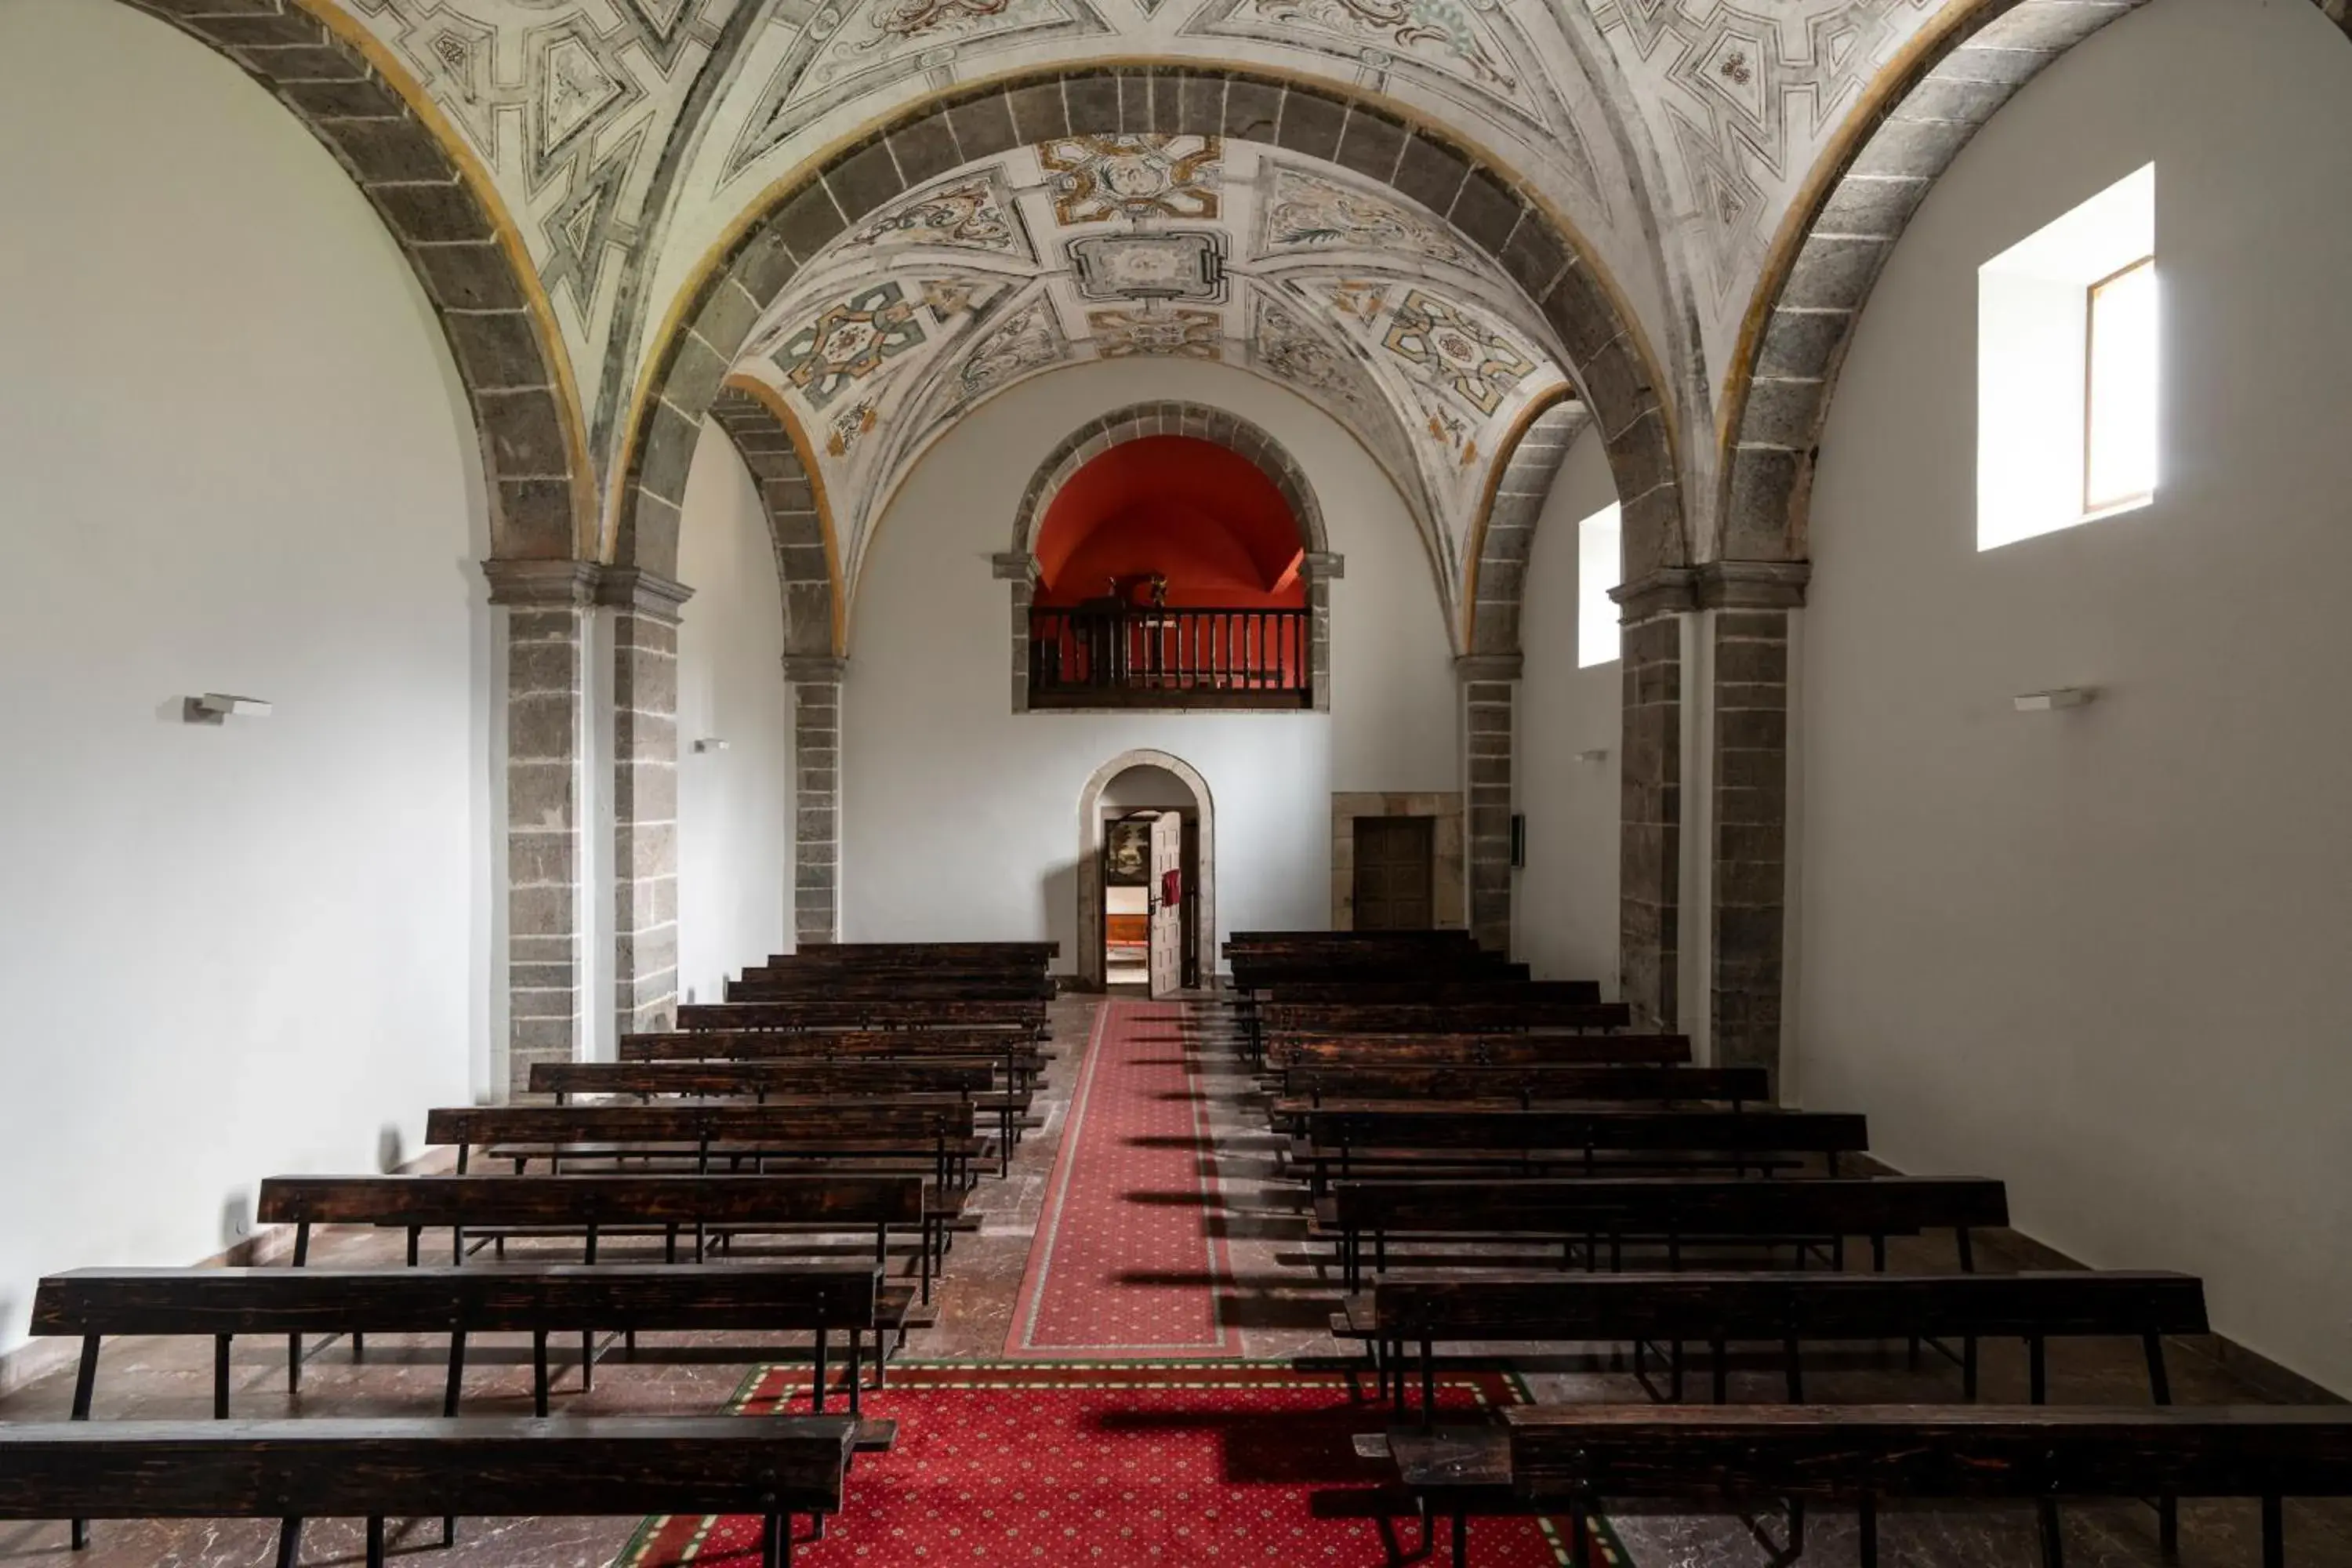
point(1489, 687)
point(1320, 570)
point(645, 795)
point(1749, 812)
point(1651, 815)
point(546, 606)
point(817, 815)
point(1018, 568)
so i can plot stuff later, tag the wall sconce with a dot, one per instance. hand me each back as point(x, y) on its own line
point(214, 708)
point(2054, 698)
point(711, 743)
point(1600, 755)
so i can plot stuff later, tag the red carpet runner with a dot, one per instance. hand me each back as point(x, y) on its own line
point(1113, 1467)
point(1125, 1263)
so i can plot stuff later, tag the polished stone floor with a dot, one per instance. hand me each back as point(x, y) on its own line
point(1278, 1299)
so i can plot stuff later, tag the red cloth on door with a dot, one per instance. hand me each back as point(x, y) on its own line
point(1172, 889)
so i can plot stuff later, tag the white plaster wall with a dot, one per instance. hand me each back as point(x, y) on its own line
point(2100, 954)
point(1564, 902)
point(734, 808)
point(961, 818)
point(233, 457)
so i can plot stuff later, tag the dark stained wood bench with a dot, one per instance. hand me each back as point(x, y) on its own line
point(784, 984)
point(1389, 988)
point(909, 1013)
point(1442, 1017)
point(1346, 1138)
point(793, 1082)
point(1016, 1054)
point(535, 1299)
point(291, 1471)
point(1293, 1054)
point(663, 1206)
point(1577, 1454)
point(1313, 1085)
point(1675, 1211)
point(942, 1133)
point(924, 954)
point(1717, 1309)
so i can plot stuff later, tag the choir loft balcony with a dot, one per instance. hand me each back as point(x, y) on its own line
point(1109, 654)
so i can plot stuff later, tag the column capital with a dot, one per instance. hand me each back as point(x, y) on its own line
point(1663, 591)
point(542, 585)
point(814, 668)
point(1474, 667)
point(1753, 585)
point(1013, 566)
point(1326, 564)
point(642, 592)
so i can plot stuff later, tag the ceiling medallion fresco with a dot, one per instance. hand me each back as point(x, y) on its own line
point(1127, 247)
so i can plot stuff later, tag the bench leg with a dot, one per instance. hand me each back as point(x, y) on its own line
point(587, 1360)
point(2037, 1369)
point(1866, 1520)
point(1428, 1384)
point(85, 1386)
point(1721, 1380)
point(856, 1367)
point(290, 1542)
point(220, 1377)
point(1460, 1536)
point(2054, 1538)
point(457, 1372)
point(1796, 1371)
point(817, 1379)
point(539, 1372)
point(2273, 1532)
point(375, 1542)
point(293, 1363)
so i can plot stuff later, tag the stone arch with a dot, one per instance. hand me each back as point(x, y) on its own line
point(446, 218)
point(1837, 237)
point(800, 521)
point(1506, 528)
point(1090, 851)
point(1140, 421)
point(794, 220)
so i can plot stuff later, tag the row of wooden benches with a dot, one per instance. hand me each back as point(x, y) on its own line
point(888, 1119)
point(1420, 1107)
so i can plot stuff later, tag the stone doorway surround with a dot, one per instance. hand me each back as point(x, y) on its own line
point(1091, 976)
point(1448, 904)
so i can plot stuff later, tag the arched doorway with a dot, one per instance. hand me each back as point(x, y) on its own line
point(1137, 788)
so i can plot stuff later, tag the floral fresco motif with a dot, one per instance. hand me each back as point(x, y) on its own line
point(850, 426)
point(1099, 178)
point(1177, 333)
point(1030, 340)
point(1479, 364)
point(1445, 28)
point(968, 214)
point(1307, 213)
point(849, 341)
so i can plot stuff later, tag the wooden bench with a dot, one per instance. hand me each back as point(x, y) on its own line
point(1442, 1017)
point(795, 1082)
point(1291, 1055)
point(535, 1299)
point(940, 1132)
point(1717, 1309)
point(1574, 1456)
point(1459, 1135)
point(291, 1471)
point(781, 984)
point(661, 1205)
point(924, 954)
point(1016, 1055)
point(909, 1013)
point(1391, 988)
point(1316, 1083)
point(1676, 1212)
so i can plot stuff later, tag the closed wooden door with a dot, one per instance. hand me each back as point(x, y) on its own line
point(1167, 912)
point(1396, 873)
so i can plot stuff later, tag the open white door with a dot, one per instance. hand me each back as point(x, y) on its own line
point(1167, 894)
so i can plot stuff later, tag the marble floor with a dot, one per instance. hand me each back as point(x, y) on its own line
point(1280, 1301)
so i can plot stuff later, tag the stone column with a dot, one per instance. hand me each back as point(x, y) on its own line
point(816, 815)
point(1750, 602)
point(1651, 814)
point(1018, 568)
point(645, 795)
point(546, 606)
point(1489, 686)
point(1320, 569)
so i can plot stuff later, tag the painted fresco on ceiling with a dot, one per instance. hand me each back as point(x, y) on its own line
point(1150, 246)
